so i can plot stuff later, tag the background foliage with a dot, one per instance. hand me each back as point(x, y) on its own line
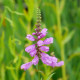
point(18, 18)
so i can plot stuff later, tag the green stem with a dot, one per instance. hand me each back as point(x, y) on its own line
point(38, 72)
point(60, 39)
point(58, 17)
point(28, 29)
point(63, 58)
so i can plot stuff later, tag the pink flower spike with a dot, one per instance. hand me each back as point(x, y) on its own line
point(30, 37)
point(26, 66)
point(48, 40)
point(35, 60)
point(30, 48)
point(40, 43)
point(44, 48)
point(33, 53)
point(60, 63)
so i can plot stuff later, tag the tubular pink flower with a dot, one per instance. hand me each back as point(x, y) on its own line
point(54, 59)
point(57, 64)
point(54, 64)
point(30, 48)
point(44, 48)
point(26, 66)
point(46, 59)
point(51, 61)
point(60, 63)
point(35, 60)
point(33, 33)
point(30, 37)
point(43, 33)
point(33, 53)
point(40, 43)
point(48, 40)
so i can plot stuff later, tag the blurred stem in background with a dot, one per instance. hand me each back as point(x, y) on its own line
point(38, 72)
point(60, 39)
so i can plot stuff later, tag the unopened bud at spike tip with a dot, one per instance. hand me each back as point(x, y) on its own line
point(38, 18)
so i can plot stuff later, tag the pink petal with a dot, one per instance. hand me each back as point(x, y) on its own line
point(39, 37)
point(33, 53)
point(35, 60)
point(48, 40)
point(30, 48)
point(46, 59)
point(54, 59)
point(54, 64)
point(30, 37)
point(33, 33)
point(40, 43)
point(51, 61)
point(44, 48)
point(26, 66)
point(60, 63)
point(57, 64)
point(43, 33)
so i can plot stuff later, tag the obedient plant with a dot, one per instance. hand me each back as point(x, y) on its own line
point(38, 49)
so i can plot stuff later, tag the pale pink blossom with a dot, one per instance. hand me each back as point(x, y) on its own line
point(30, 37)
point(28, 65)
point(40, 43)
point(44, 48)
point(30, 48)
point(48, 40)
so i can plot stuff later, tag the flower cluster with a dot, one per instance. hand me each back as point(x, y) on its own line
point(38, 50)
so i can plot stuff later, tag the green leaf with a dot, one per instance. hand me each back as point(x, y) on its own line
point(23, 76)
point(62, 5)
point(2, 72)
point(14, 12)
point(30, 4)
point(41, 79)
point(2, 18)
point(50, 76)
point(68, 38)
point(51, 5)
point(12, 46)
point(2, 47)
point(10, 21)
point(72, 56)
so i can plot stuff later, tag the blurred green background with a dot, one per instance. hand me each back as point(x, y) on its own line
point(18, 18)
